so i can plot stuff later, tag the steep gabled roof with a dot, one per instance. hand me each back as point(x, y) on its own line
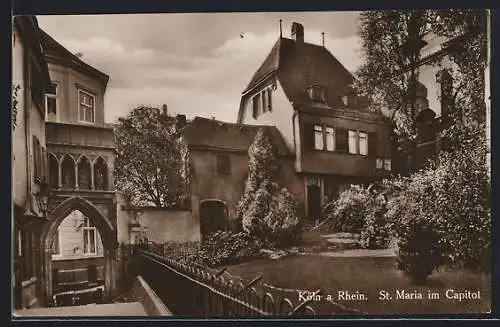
point(54, 49)
point(218, 135)
point(31, 32)
point(300, 65)
point(268, 66)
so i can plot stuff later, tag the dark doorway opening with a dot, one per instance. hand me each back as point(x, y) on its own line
point(213, 216)
point(313, 202)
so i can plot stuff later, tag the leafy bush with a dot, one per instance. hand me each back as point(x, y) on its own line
point(361, 212)
point(444, 211)
point(376, 232)
point(282, 223)
point(225, 247)
point(350, 210)
point(266, 212)
point(419, 250)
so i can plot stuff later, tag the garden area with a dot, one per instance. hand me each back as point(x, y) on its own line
point(406, 245)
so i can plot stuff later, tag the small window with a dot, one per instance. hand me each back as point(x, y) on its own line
point(86, 109)
point(330, 139)
point(387, 164)
point(353, 146)
point(269, 99)
point(380, 163)
point(89, 237)
point(363, 143)
point(223, 164)
point(316, 93)
point(318, 137)
point(264, 101)
point(256, 106)
point(51, 102)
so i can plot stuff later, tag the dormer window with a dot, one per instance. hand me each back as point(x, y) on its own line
point(316, 93)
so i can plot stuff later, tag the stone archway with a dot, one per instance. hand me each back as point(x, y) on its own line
point(103, 225)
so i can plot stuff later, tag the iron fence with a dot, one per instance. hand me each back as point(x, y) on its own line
point(199, 291)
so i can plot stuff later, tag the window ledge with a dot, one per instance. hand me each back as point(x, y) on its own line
point(78, 257)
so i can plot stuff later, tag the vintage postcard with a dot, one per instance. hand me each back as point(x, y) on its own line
point(251, 164)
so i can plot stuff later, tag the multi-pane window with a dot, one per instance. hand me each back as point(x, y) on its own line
point(318, 137)
point(353, 147)
point(223, 164)
point(358, 143)
point(86, 109)
point(383, 164)
point(262, 102)
point(89, 237)
point(51, 102)
point(363, 143)
point(316, 93)
point(330, 138)
point(324, 138)
point(387, 164)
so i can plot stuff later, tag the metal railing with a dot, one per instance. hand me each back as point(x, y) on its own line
point(189, 290)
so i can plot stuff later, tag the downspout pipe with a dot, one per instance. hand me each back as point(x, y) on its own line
point(27, 120)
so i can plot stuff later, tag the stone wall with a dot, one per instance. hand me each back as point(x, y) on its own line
point(158, 225)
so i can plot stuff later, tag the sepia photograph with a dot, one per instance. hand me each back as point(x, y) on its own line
point(250, 164)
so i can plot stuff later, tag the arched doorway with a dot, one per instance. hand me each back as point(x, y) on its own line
point(213, 216)
point(93, 218)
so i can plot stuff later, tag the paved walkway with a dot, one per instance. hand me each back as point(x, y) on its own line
point(112, 309)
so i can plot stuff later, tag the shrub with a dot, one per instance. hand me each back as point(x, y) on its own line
point(266, 212)
point(350, 210)
point(419, 250)
point(376, 233)
point(223, 247)
point(282, 222)
point(443, 211)
point(361, 212)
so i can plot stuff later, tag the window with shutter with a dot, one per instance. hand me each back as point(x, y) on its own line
point(269, 100)
point(363, 143)
point(308, 136)
point(372, 144)
point(341, 140)
point(223, 164)
point(330, 138)
point(256, 104)
point(264, 101)
point(353, 146)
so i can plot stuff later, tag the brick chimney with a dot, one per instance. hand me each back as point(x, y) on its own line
point(297, 32)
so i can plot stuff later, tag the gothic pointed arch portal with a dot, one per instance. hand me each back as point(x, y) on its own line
point(106, 230)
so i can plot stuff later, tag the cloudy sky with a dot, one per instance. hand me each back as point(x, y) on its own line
point(197, 64)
